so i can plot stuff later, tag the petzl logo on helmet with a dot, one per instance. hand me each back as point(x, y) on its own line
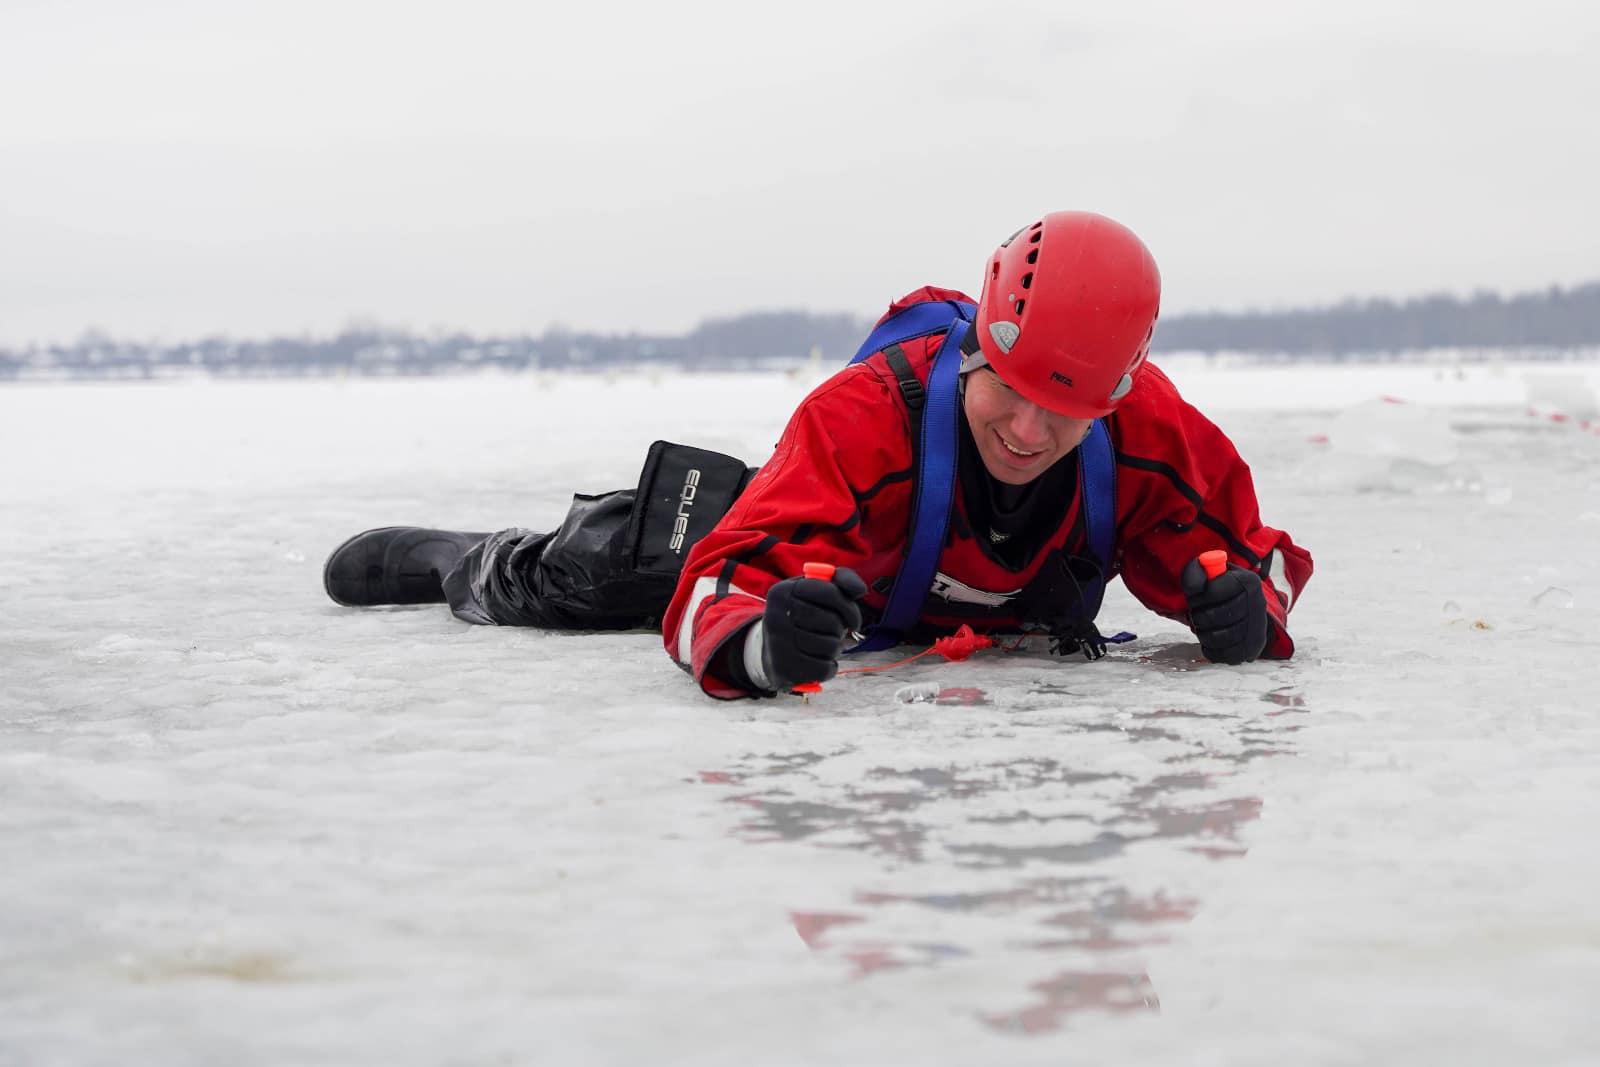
point(680, 525)
point(1057, 376)
point(1004, 334)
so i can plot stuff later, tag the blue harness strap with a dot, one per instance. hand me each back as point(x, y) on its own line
point(918, 320)
point(1097, 488)
point(935, 485)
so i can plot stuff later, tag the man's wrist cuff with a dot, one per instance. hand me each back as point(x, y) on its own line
point(755, 645)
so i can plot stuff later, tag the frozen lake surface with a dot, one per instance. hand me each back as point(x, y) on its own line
point(241, 824)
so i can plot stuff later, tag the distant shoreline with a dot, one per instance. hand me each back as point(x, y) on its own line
point(148, 372)
point(1546, 324)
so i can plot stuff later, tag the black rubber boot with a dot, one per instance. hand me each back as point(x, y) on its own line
point(395, 565)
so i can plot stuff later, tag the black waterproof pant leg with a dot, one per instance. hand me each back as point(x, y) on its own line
point(580, 577)
point(613, 562)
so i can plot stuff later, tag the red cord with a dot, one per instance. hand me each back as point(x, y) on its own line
point(963, 643)
point(955, 648)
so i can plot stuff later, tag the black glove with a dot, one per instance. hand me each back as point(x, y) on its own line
point(1227, 613)
point(806, 623)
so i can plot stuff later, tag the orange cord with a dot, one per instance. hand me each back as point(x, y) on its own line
point(886, 666)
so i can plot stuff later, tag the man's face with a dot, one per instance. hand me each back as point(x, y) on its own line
point(1018, 439)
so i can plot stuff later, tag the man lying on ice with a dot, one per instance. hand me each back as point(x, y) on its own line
point(992, 465)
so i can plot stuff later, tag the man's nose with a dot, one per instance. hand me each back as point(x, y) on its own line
point(1030, 423)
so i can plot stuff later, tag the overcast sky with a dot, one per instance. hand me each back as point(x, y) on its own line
point(172, 168)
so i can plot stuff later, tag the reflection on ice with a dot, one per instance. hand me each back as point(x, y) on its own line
point(1020, 857)
point(1076, 991)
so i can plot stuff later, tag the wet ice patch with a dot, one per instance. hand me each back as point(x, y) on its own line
point(1387, 429)
point(1565, 392)
point(1388, 444)
point(247, 816)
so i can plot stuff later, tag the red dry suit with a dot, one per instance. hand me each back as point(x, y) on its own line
point(838, 489)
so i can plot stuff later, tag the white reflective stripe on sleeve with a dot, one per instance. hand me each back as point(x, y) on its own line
point(1280, 580)
point(755, 643)
point(703, 588)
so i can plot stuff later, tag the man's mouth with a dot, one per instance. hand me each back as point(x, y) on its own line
point(1015, 451)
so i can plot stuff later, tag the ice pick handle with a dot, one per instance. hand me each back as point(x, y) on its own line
point(822, 572)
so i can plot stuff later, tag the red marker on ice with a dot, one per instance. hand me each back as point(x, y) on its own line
point(822, 572)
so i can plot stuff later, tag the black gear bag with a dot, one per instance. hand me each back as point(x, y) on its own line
point(683, 492)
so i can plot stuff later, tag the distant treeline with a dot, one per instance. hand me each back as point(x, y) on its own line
point(1551, 320)
point(759, 339)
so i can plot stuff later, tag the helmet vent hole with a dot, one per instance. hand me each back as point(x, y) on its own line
point(1027, 280)
point(1033, 238)
point(1020, 303)
point(1033, 257)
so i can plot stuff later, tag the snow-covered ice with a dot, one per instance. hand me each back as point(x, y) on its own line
point(241, 824)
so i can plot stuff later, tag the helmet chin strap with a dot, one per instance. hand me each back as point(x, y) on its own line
point(972, 357)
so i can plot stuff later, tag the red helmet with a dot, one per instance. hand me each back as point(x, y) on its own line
point(1067, 311)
